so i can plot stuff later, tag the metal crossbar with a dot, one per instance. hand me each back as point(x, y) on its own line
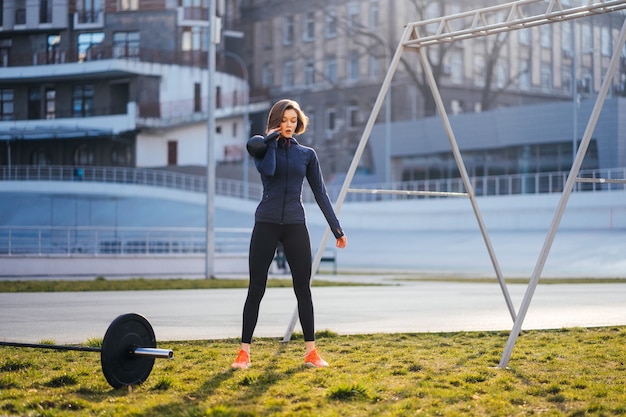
point(408, 192)
point(602, 180)
point(501, 18)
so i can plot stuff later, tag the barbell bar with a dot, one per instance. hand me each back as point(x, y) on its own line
point(128, 350)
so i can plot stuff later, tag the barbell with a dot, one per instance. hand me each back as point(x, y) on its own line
point(128, 350)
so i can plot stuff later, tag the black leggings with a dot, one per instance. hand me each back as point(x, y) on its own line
point(297, 244)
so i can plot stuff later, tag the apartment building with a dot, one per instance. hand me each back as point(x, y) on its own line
point(332, 56)
point(114, 83)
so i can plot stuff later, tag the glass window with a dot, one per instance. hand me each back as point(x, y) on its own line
point(287, 27)
point(309, 27)
point(331, 69)
point(546, 76)
point(41, 157)
point(545, 36)
point(82, 100)
point(330, 23)
point(524, 36)
point(6, 104)
point(353, 15)
point(129, 5)
point(309, 73)
point(126, 45)
point(267, 76)
point(605, 40)
point(456, 67)
point(45, 11)
point(83, 155)
point(331, 120)
point(353, 116)
point(524, 75)
point(88, 46)
point(373, 16)
point(353, 66)
point(288, 74)
point(50, 103)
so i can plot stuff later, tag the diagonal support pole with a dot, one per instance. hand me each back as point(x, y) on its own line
point(466, 181)
point(567, 191)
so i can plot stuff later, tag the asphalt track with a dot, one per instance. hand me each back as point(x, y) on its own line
point(398, 306)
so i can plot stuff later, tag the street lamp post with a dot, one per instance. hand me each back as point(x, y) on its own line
point(246, 117)
point(213, 39)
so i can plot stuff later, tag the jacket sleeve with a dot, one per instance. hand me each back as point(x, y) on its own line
point(316, 181)
point(267, 164)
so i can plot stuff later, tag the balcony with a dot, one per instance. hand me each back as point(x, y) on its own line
point(89, 19)
point(65, 124)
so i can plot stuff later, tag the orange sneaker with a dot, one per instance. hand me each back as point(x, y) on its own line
point(314, 360)
point(242, 361)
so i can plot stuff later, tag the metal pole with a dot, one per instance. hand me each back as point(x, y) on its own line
point(567, 191)
point(246, 118)
point(210, 166)
point(574, 93)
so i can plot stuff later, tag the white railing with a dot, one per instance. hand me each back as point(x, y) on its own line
point(535, 183)
point(118, 241)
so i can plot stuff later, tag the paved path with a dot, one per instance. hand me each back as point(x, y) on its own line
point(400, 307)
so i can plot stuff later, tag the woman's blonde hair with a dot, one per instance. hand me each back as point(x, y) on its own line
point(278, 109)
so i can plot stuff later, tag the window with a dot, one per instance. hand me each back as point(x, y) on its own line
point(353, 66)
point(567, 39)
point(331, 69)
point(331, 120)
point(330, 23)
point(192, 39)
point(88, 10)
point(34, 103)
point(40, 157)
point(309, 73)
point(53, 55)
point(197, 98)
point(545, 36)
point(121, 155)
point(126, 45)
point(50, 103)
point(353, 16)
point(372, 66)
point(456, 67)
point(479, 70)
point(352, 115)
point(20, 12)
point(172, 152)
point(6, 104)
point(267, 76)
point(288, 74)
point(586, 38)
point(502, 73)
point(83, 155)
point(288, 33)
point(546, 76)
point(45, 11)
point(524, 75)
point(524, 36)
point(309, 27)
point(605, 41)
point(88, 46)
point(128, 5)
point(267, 33)
point(82, 100)
point(373, 16)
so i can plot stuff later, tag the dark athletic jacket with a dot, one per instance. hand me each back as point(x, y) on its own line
point(283, 168)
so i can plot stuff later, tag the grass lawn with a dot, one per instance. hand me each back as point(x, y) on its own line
point(567, 372)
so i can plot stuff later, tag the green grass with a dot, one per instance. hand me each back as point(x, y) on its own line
point(140, 284)
point(144, 284)
point(567, 372)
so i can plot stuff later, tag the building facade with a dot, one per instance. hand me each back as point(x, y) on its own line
point(332, 56)
point(115, 83)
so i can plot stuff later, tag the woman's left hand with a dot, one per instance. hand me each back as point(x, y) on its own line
point(342, 242)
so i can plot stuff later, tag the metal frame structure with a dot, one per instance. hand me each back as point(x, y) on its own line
point(474, 24)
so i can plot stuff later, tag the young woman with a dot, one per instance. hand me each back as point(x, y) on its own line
point(284, 164)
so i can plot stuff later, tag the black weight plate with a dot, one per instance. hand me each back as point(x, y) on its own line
point(119, 365)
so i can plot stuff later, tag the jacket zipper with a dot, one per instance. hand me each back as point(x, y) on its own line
point(282, 216)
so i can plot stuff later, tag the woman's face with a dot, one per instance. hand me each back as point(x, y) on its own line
point(289, 123)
